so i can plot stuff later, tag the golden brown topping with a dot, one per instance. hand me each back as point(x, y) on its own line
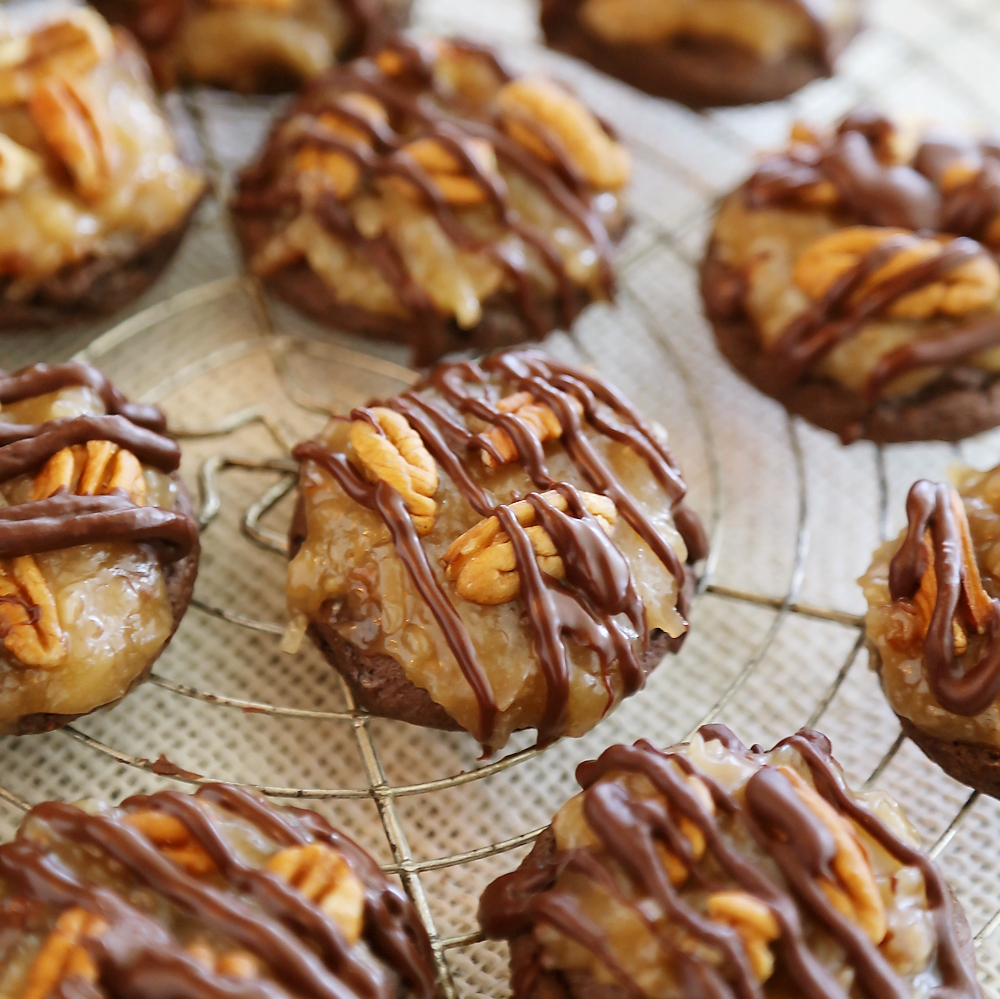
point(174, 840)
point(92, 469)
point(390, 450)
point(854, 893)
point(481, 562)
point(62, 955)
point(235, 964)
point(74, 124)
point(449, 174)
point(542, 117)
point(17, 165)
point(754, 922)
point(341, 170)
point(977, 600)
point(71, 45)
point(542, 422)
point(677, 870)
point(29, 621)
point(325, 878)
point(972, 285)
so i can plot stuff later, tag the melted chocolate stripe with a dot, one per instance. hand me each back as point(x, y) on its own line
point(65, 521)
point(962, 691)
point(31, 453)
point(40, 379)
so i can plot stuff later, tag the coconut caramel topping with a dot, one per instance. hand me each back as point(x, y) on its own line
point(714, 870)
point(214, 894)
point(557, 547)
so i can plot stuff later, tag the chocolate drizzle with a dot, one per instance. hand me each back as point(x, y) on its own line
point(66, 520)
point(302, 947)
point(961, 690)
point(598, 594)
point(632, 830)
point(419, 109)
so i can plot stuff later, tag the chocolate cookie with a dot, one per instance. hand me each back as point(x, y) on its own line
point(934, 625)
point(98, 545)
point(504, 547)
point(424, 195)
point(712, 870)
point(95, 198)
point(705, 52)
point(214, 894)
point(855, 281)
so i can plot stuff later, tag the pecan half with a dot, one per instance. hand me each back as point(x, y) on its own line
point(72, 45)
point(62, 955)
point(542, 116)
point(325, 878)
point(449, 174)
point(677, 870)
point(235, 963)
point(541, 421)
point(339, 170)
point(481, 562)
point(853, 891)
point(753, 921)
point(390, 450)
point(174, 841)
point(977, 600)
point(92, 469)
point(971, 285)
point(29, 620)
point(76, 127)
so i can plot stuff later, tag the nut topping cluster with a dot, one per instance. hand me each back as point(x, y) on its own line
point(29, 620)
point(538, 418)
point(390, 450)
point(44, 71)
point(971, 286)
point(62, 955)
point(96, 468)
point(481, 562)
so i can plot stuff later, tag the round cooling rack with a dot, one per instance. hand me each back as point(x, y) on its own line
point(776, 629)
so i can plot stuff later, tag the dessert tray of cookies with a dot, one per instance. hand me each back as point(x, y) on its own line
point(427, 485)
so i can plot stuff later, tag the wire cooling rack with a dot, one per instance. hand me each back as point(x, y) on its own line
point(776, 639)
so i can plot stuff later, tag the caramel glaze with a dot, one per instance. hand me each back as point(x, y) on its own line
point(961, 691)
point(419, 111)
point(554, 11)
point(66, 520)
point(772, 814)
point(874, 193)
point(598, 586)
point(255, 910)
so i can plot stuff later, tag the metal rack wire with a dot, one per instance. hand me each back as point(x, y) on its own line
point(664, 237)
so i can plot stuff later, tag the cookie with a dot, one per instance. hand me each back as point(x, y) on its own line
point(98, 545)
point(253, 46)
point(712, 870)
point(705, 53)
point(426, 196)
point(853, 279)
point(933, 625)
point(504, 547)
point(219, 893)
point(95, 197)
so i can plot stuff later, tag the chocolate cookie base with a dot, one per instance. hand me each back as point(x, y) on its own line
point(179, 578)
point(699, 74)
point(956, 406)
point(503, 324)
point(92, 288)
point(530, 980)
point(974, 764)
